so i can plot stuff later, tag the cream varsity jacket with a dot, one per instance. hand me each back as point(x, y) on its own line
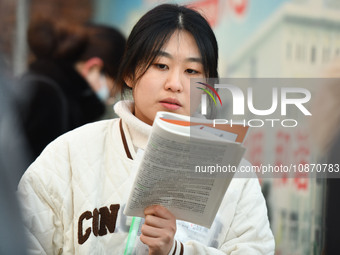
point(74, 194)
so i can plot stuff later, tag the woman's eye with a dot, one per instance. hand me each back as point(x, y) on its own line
point(191, 71)
point(161, 66)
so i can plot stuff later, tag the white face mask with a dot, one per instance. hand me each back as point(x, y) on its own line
point(103, 93)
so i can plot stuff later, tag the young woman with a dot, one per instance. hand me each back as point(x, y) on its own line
point(74, 194)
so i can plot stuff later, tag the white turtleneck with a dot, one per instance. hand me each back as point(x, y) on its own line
point(137, 129)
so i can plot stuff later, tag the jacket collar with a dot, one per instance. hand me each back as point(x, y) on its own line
point(138, 130)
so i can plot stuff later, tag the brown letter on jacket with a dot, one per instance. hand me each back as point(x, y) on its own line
point(108, 219)
point(82, 238)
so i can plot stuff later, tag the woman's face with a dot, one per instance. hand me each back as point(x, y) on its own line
point(165, 86)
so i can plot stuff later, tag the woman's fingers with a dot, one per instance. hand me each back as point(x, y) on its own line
point(151, 231)
point(159, 229)
point(158, 210)
point(155, 221)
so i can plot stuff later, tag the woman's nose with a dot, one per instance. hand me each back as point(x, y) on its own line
point(174, 82)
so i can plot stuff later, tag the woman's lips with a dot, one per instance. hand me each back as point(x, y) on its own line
point(170, 104)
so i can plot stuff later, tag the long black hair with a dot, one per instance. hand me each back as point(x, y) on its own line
point(154, 29)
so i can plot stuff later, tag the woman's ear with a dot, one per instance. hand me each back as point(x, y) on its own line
point(91, 64)
point(128, 82)
point(90, 70)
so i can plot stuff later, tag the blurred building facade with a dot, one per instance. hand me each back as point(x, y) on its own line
point(296, 41)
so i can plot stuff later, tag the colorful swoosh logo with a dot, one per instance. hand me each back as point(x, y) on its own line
point(208, 92)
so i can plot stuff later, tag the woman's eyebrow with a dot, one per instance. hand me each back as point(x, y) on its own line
point(198, 60)
point(168, 55)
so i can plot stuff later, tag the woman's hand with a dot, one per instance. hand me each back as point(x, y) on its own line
point(158, 230)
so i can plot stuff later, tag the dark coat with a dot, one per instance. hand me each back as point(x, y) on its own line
point(53, 99)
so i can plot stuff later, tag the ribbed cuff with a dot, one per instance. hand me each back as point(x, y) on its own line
point(177, 248)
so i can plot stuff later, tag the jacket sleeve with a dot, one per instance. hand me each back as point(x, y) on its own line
point(39, 192)
point(249, 232)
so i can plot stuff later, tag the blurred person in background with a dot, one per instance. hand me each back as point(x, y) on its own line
point(12, 161)
point(70, 80)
